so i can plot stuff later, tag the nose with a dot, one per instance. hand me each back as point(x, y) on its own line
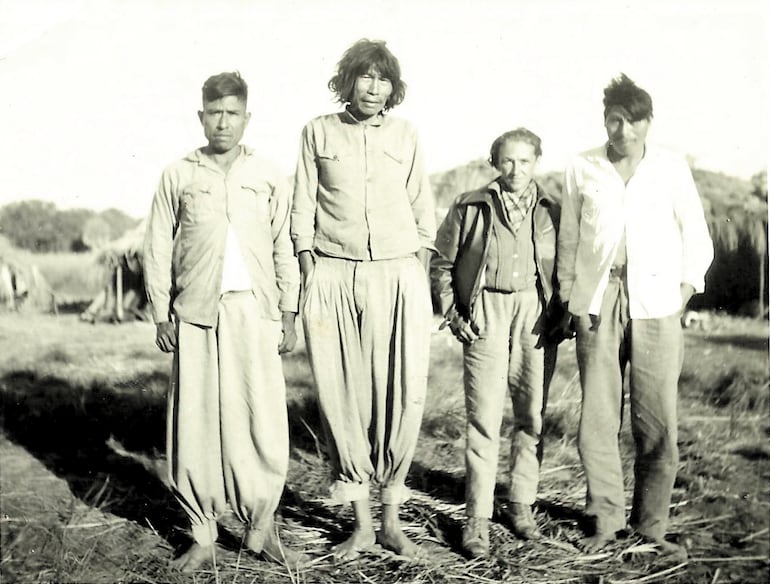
point(374, 86)
point(222, 122)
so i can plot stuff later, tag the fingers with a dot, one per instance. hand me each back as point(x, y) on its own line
point(463, 332)
point(166, 343)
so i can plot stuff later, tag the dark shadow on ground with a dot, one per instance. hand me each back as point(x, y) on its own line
point(73, 430)
point(743, 341)
point(68, 428)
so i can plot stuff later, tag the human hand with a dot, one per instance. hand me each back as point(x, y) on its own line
point(165, 336)
point(686, 291)
point(464, 331)
point(289, 338)
point(564, 329)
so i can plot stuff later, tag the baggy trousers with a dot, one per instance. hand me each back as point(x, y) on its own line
point(505, 359)
point(228, 439)
point(367, 327)
point(654, 348)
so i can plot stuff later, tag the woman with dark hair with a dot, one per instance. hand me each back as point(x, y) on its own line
point(363, 227)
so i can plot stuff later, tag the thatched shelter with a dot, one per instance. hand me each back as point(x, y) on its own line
point(122, 296)
point(22, 287)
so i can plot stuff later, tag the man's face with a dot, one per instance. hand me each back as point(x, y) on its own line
point(224, 121)
point(516, 162)
point(626, 137)
point(370, 94)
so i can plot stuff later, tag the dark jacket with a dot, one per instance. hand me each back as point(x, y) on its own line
point(463, 242)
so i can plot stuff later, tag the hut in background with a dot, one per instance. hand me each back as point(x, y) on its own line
point(122, 296)
point(22, 287)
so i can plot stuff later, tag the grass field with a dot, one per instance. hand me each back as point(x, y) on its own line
point(83, 499)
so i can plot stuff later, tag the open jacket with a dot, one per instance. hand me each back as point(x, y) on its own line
point(463, 243)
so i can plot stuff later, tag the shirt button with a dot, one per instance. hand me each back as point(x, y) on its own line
point(516, 274)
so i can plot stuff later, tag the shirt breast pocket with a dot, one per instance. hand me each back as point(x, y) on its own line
point(256, 201)
point(335, 168)
point(198, 203)
point(592, 203)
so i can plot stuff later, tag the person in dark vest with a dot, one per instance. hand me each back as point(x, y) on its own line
point(495, 280)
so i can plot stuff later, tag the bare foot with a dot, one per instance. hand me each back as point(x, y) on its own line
point(193, 558)
point(395, 540)
point(359, 541)
point(274, 550)
point(667, 548)
point(596, 542)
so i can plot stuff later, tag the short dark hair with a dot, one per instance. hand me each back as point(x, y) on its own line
point(223, 85)
point(517, 135)
point(622, 92)
point(362, 56)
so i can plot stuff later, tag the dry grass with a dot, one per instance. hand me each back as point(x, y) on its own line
point(83, 500)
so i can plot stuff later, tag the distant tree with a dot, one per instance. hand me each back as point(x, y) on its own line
point(737, 215)
point(30, 225)
point(759, 184)
point(96, 232)
point(70, 224)
point(118, 222)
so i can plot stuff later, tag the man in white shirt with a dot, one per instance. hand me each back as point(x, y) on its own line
point(633, 248)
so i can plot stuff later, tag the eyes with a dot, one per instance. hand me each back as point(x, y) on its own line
point(370, 77)
point(521, 162)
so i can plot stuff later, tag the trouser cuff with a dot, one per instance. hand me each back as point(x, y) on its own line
point(205, 533)
point(394, 494)
point(344, 492)
point(473, 509)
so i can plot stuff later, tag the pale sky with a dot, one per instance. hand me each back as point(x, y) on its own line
point(98, 96)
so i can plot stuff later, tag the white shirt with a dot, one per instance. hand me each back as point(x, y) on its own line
point(235, 274)
point(667, 239)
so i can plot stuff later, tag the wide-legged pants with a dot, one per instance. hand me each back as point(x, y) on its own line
point(654, 349)
point(227, 433)
point(505, 359)
point(367, 327)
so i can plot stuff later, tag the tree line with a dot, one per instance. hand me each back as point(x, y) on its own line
point(39, 226)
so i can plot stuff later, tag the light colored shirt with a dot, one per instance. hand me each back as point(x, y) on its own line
point(667, 239)
point(235, 274)
point(361, 191)
point(184, 247)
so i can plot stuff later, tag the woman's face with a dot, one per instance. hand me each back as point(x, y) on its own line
point(371, 92)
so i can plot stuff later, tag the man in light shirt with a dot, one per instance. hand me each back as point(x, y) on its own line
point(223, 282)
point(363, 228)
point(633, 248)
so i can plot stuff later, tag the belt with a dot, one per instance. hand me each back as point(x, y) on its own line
point(618, 271)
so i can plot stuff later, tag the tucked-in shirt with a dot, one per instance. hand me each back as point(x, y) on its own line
point(184, 247)
point(667, 239)
point(361, 191)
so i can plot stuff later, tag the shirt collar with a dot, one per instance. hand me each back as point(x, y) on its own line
point(199, 157)
point(497, 188)
point(349, 118)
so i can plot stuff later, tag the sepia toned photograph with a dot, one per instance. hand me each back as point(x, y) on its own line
point(391, 291)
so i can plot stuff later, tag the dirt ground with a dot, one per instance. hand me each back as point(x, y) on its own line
point(83, 499)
